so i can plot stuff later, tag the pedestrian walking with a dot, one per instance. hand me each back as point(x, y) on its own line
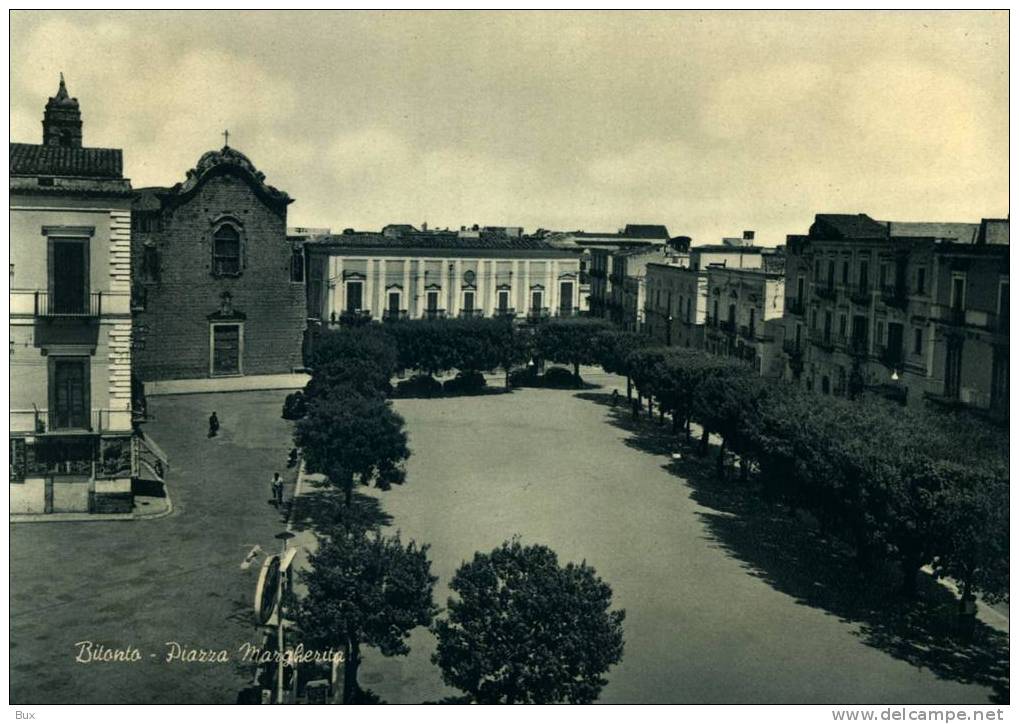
point(213, 425)
point(277, 489)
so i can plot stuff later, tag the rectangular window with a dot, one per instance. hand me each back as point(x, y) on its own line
point(536, 300)
point(842, 325)
point(68, 276)
point(297, 266)
point(394, 302)
point(831, 274)
point(827, 326)
point(226, 253)
point(958, 291)
point(880, 332)
point(845, 272)
point(503, 300)
point(864, 275)
point(354, 296)
point(150, 264)
point(432, 301)
point(468, 301)
point(69, 393)
point(566, 295)
point(921, 280)
point(917, 341)
point(883, 276)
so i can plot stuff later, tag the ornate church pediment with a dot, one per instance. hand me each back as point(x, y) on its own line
point(229, 161)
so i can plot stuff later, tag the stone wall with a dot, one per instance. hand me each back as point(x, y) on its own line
point(171, 333)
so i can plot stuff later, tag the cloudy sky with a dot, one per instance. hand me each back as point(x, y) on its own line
point(708, 122)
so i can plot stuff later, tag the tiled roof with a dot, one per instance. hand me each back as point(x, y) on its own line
point(29, 159)
point(715, 248)
point(431, 240)
point(962, 233)
point(646, 231)
point(847, 226)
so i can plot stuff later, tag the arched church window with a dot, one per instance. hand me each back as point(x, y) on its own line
point(226, 254)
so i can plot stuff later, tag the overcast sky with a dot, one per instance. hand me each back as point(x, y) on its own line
point(710, 123)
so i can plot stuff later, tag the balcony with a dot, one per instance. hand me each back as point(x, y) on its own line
point(69, 421)
point(433, 314)
point(794, 305)
point(858, 346)
point(48, 305)
point(894, 296)
point(728, 326)
point(352, 318)
point(974, 318)
point(568, 312)
point(823, 341)
point(394, 315)
point(860, 296)
point(890, 356)
point(505, 312)
point(472, 313)
point(537, 314)
point(826, 292)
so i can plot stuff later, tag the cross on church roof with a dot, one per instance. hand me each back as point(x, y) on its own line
point(226, 139)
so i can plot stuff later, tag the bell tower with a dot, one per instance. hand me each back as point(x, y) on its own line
point(61, 121)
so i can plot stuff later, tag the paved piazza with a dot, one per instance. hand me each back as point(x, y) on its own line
point(709, 618)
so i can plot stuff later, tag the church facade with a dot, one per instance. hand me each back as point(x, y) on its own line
point(218, 289)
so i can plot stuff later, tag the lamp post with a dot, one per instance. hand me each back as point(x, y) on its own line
point(668, 330)
point(283, 537)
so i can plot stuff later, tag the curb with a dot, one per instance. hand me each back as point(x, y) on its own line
point(94, 517)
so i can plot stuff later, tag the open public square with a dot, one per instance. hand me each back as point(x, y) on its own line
point(716, 610)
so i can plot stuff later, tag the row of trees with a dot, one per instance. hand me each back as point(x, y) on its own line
point(370, 354)
point(904, 484)
point(521, 628)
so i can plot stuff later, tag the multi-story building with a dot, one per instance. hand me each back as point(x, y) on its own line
point(618, 287)
point(907, 310)
point(219, 289)
point(71, 443)
point(594, 284)
point(740, 303)
point(677, 309)
point(436, 274)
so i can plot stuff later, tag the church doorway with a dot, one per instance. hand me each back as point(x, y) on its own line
point(225, 346)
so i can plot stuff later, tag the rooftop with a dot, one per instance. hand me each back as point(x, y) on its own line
point(432, 240)
point(30, 159)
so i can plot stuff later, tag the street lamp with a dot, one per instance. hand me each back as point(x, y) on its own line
point(668, 330)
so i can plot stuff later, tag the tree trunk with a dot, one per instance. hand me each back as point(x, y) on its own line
point(634, 409)
point(721, 459)
point(650, 407)
point(744, 468)
point(348, 489)
point(351, 660)
point(661, 413)
point(911, 564)
point(686, 423)
point(675, 423)
point(576, 372)
point(629, 388)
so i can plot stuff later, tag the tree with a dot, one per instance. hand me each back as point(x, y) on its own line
point(570, 341)
point(527, 630)
point(728, 394)
point(345, 433)
point(365, 589)
point(360, 357)
point(613, 347)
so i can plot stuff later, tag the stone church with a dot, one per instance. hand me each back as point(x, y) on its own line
point(218, 290)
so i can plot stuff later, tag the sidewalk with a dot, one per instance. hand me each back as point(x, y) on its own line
point(293, 381)
point(146, 507)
